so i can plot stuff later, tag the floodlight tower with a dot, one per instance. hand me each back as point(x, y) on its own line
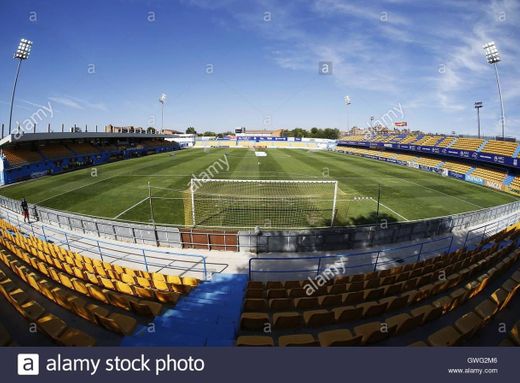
point(162, 100)
point(493, 57)
point(22, 53)
point(478, 105)
point(347, 103)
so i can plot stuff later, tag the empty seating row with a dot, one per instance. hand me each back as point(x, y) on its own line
point(504, 148)
point(21, 156)
point(113, 321)
point(469, 323)
point(46, 322)
point(55, 151)
point(490, 175)
point(141, 279)
point(83, 148)
point(463, 143)
point(118, 294)
point(327, 310)
point(496, 262)
point(456, 167)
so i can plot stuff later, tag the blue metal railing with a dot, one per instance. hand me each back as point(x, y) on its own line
point(318, 264)
point(113, 252)
point(478, 234)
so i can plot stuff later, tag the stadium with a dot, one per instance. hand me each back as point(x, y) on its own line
point(151, 237)
point(330, 237)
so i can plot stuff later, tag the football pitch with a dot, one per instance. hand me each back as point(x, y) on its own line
point(120, 190)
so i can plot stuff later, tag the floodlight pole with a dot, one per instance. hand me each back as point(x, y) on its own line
point(478, 105)
point(347, 103)
point(14, 92)
point(493, 57)
point(503, 117)
point(162, 116)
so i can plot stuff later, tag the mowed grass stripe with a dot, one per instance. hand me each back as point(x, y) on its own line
point(168, 204)
point(118, 186)
point(349, 209)
point(426, 187)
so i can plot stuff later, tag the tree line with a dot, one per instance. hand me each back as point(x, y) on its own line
point(332, 134)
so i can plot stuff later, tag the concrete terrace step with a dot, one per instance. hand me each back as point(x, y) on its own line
point(482, 145)
point(208, 316)
point(453, 142)
point(517, 151)
point(470, 171)
point(509, 179)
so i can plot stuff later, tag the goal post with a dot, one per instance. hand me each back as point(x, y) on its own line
point(245, 203)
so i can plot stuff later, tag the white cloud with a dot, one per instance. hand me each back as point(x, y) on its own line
point(77, 103)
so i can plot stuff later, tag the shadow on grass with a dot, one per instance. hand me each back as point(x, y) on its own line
point(371, 218)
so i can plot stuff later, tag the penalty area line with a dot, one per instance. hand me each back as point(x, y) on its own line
point(130, 208)
point(390, 209)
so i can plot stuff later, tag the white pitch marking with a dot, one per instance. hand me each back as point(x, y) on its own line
point(130, 208)
point(393, 211)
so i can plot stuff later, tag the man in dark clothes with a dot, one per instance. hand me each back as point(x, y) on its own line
point(25, 211)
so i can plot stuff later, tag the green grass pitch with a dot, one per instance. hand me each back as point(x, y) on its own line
point(119, 190)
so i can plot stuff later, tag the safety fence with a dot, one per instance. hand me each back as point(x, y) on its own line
point(285, 268)
point(151, 259)
point(312, 266)
point(265, 240)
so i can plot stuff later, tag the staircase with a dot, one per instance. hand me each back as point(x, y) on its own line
point(482, 145)
point(208, 316)
point(439, 141)
point(508, 180)
point(517, 152)
point(470, 171)
point(452, 143)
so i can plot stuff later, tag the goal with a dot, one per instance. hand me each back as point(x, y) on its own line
point(264, 203)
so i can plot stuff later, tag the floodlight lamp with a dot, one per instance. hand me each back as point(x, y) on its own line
point(23, 50)
point(347, 100)
point(491, 52)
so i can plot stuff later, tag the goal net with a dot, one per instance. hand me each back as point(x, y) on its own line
point(264, 203)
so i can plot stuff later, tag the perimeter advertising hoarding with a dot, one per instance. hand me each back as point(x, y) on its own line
point(466, 154)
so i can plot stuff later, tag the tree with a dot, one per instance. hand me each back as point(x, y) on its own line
point(209, 134)
point(191, 130)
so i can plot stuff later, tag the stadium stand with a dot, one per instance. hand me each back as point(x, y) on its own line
point(504, 148)
point(55, 151)
point(433, 163)
point(446, 142)
point(467, 143)
point(38, 154)
point(457, 167)
point(490, 175)
point(20, 156)
point(340, 311)
point(101, 293)
point(83, 148)
point(428, 140)
point(408, 139)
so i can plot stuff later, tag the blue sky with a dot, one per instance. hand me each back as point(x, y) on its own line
point(108, 61)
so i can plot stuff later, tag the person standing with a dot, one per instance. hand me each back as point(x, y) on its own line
point(25, 210)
